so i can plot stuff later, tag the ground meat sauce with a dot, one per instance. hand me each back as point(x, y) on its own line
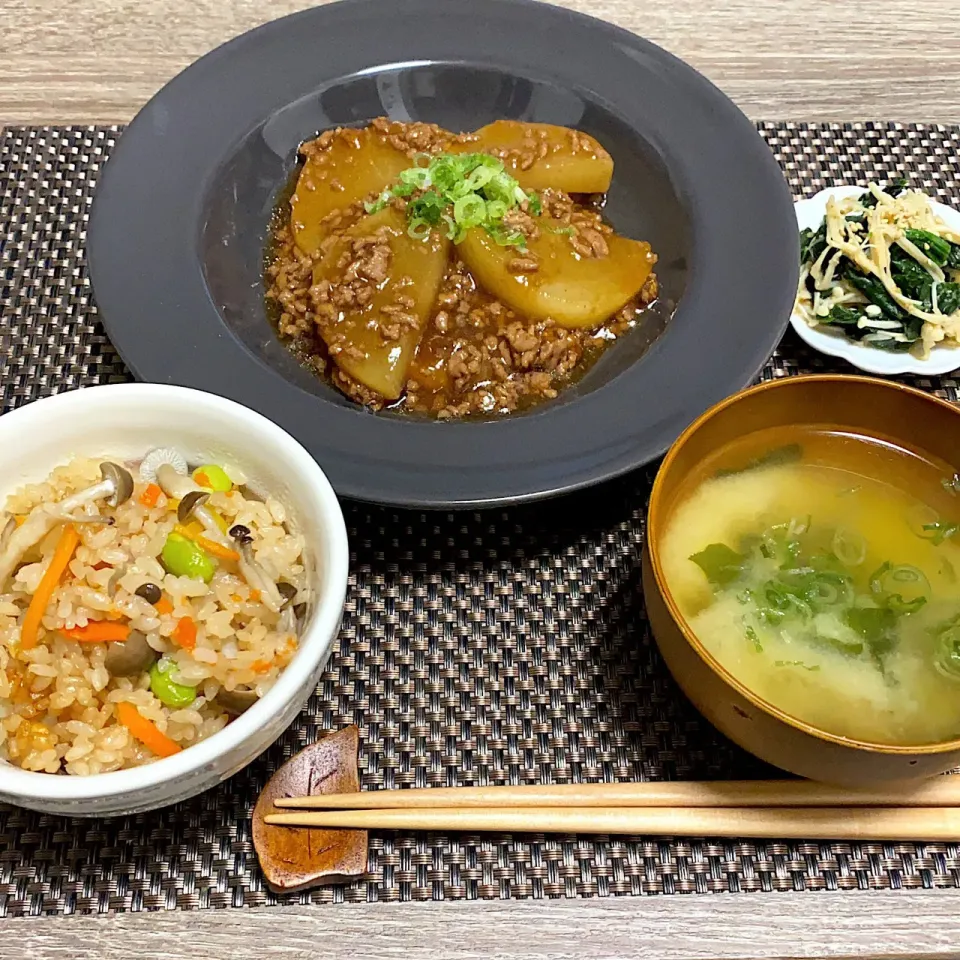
point(475, 355)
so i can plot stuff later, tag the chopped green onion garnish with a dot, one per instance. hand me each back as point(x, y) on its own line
point(419, 229)
point(470, 211)
point(462, 192)
point(496, 209)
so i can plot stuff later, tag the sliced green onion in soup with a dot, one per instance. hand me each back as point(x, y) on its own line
point(849, 547)
point(948, 650)
point(905, 573)
point(898, 580)
point(783, 600)
point(919, 517)
point(952, 485)
point(843, 585)
point(939, 531)
point(898, 605)
point(825, 593)
point(876, 578)
point(799, 526)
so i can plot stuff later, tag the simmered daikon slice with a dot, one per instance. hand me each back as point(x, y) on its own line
point(541, 155)
point(376, 286)
point(351, 166)
point(552, 279)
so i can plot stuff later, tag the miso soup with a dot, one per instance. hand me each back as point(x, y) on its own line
point(821, 570)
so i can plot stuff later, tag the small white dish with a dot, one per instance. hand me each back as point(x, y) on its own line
point(124, 421)
point(810, 214)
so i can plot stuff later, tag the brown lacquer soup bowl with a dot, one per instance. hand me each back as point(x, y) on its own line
point(890, 415)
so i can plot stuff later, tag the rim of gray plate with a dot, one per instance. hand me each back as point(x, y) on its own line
point(146, 227)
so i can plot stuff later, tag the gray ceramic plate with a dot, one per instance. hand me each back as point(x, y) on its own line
point(180, 218)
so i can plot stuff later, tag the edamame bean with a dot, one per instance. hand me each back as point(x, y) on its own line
point(170, 694)
point(212, 477)
point(184, 558)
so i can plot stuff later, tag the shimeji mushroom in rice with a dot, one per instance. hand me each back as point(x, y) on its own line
point(141, 608)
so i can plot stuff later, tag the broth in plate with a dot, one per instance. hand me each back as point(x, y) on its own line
point(820, 569)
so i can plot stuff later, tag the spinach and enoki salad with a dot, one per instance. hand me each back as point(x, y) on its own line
point(806, 586)
point(882, 269)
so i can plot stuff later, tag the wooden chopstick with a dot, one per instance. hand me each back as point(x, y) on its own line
point(809, 823)
point(939, 792)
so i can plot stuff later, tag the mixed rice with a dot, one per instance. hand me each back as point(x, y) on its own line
point(133, 656)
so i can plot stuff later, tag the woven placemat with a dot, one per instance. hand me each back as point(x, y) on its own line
point(501, 647)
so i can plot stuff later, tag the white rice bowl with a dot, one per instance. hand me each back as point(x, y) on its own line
point(297, 530)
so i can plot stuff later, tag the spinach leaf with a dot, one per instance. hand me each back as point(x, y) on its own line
point(948, 297)
point(874, 624)
point(720, 563)
point(889, 344)
point(847, 649)
point(916, 283)
point(936, 248)
point(812, 244)
point(953, 260)
point(912, 327)
point(842, 316)
point(910, 277)
point(875, 292)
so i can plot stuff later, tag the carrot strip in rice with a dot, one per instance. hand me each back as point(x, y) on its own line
point(163, 606)
point(185, 633)
point(150, 496)
point(213, 548)
point(147, 732)
point(62, 555)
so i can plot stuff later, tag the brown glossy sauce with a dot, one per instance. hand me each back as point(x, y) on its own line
point(472, 355)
